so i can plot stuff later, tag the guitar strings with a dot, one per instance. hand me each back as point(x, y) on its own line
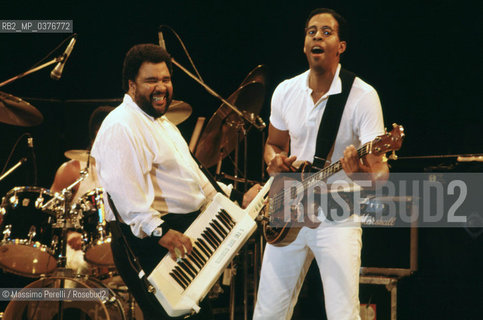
point(321, 175)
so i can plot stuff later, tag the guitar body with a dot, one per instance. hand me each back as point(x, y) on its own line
point(287, 211)
point(281, 230)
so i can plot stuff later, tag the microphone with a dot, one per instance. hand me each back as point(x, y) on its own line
point(161, 39)
point(57, 72)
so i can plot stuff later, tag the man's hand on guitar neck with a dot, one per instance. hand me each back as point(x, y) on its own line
point(177, 243)
point(281, 163)
point(351, 162)
point(374, 167)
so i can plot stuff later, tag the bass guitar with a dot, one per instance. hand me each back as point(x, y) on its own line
point(283, 222)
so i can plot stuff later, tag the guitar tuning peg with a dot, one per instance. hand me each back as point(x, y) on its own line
point(393, 155)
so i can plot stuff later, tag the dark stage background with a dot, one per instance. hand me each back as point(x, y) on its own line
point(421, 56)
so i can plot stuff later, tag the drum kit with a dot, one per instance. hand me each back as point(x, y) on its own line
point(34, 228)
point(35, 222)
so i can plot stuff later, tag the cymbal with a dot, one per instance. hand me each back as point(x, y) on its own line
point(258, 74)
point(178, 111)
point(18, 112)
point(81, 155)
point(219, 138)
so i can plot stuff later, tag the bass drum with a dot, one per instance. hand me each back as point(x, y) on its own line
point(110, 309)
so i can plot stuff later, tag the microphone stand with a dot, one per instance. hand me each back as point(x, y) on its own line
point(55, 60)
point(249, 117)
point(12, 169)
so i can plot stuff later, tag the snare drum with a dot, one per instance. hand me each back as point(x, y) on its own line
point(89, 211)
point(29, 244)
point(107, 306)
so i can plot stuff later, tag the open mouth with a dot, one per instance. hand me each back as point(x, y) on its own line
point(159, 98)
point(317, 50)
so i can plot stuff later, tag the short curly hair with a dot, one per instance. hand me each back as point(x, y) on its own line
point(341, 21)
point(138, 54)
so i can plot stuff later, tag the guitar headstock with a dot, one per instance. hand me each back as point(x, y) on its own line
point(390, 141)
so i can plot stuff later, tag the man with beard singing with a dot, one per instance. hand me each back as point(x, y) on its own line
point(144, 163)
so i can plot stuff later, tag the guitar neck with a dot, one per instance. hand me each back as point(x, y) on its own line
point(335, 167)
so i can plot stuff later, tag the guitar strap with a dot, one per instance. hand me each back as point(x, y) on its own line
point(209, 176)
point(329, 125)
point(235, 195)
point(133, 259)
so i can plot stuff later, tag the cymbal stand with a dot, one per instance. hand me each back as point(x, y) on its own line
point(240, 130)
point(62, 220)
point(61, 196)
point(249, 117)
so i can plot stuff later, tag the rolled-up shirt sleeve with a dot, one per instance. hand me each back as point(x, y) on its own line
point(123, 167)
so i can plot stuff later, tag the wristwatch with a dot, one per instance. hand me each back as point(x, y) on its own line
point(157, 232)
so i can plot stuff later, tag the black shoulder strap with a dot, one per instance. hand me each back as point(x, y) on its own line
point(329, 125)
point(235, 195)
point(133, 259)
point(208, 175)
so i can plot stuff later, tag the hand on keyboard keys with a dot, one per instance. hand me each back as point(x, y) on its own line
point(177, 243)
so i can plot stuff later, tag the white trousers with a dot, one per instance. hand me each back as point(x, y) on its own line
point(337, 250)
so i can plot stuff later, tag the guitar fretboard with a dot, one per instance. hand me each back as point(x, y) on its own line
point(278, 200)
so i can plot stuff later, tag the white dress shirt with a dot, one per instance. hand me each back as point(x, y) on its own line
point(145, 165)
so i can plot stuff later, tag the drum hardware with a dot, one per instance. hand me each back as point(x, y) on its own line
point(29, 244)
point(31, 158)
point(220, 139)
point(80, 155)
point(59, 203)
point(257, 122)
point(109, 307)
point(256, 76)
point(222, 135)
point(223, 175)
point(32, 232)
point(66, 194)
point(7, 232)
point(90, 212)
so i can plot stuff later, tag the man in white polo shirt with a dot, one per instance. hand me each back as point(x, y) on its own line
point(296, 112)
